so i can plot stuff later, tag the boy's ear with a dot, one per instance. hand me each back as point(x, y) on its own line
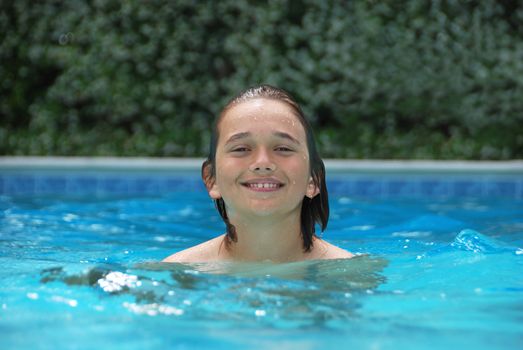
point(312, 189)
point(209, 181)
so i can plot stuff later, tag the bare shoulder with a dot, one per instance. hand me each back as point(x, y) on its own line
point(330, 251)
point(204, 252)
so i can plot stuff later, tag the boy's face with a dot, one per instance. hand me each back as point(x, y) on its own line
point(262, 161)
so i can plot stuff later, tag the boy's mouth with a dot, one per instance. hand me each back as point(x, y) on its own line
point(263, 185)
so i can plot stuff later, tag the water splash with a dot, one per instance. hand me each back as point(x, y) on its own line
point(308, 292)
point(473, 241)
point(115, 281)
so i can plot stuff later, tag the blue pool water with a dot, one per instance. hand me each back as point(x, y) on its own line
point(441, 266)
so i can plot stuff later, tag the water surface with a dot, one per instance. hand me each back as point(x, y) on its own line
point(83, 272)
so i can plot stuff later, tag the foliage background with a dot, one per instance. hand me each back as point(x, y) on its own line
point(378, 79)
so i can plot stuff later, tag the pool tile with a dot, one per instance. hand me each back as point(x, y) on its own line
point(374, 186)
point(500, 188)
point(24, 184)
point(436, 188)
point(82, 185)
point(468, 188)
point(50, 184)
point(369, 188)
point(403, 188)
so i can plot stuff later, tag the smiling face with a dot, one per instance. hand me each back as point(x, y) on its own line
point(262, 161)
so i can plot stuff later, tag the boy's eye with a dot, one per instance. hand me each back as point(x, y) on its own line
point(283, 149)
point(240, 149)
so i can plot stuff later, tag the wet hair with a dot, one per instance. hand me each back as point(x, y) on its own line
point(314, 210)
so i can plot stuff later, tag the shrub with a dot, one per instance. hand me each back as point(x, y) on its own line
point(378, 79)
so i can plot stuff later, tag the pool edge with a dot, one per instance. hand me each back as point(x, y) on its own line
point(333, 165)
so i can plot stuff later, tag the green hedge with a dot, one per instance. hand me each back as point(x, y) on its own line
point(378, 79)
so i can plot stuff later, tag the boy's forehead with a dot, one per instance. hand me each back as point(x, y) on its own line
point(261, 113)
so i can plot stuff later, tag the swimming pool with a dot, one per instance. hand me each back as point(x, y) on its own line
point(77, 253)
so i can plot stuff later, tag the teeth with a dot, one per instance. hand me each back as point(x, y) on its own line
point(265, 185)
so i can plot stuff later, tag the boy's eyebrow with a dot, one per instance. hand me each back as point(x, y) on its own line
point(286, 136)
point(238, 136)
point(242, 135)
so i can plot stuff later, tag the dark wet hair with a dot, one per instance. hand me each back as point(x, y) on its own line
point(314, 210)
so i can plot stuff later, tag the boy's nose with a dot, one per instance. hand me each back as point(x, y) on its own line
point(262, 163)
point(261, 168)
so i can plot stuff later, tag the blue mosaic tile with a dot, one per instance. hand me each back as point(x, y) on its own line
point(435, 188)
point(519, 190)
point(142, 185)
point(368, 188)
point(500, 188)
point(51, 184)
point(403, 188)
point(113, 185)
point(375, 186)
point(21, 184)
point(338, 186)
point(82, 185)
point(468, 188)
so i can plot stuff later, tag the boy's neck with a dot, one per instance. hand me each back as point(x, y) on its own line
point(267, 238)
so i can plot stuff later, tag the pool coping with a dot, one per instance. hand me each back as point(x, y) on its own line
point(335, 165)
